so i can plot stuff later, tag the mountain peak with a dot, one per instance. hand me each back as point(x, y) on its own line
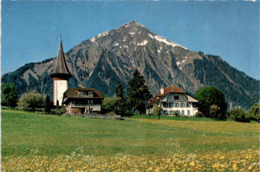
point(132, 24)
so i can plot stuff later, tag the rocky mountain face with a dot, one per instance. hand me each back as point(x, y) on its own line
point(114, 55)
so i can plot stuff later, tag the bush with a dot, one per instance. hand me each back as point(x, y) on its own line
point(239, 115)
point(59, 111)
point(110, 104)
point(157, 110)
point(32, 100)
point(199, 114)
point(115, 104)
point(254, 113)
point(177, 113)
point(216, 113)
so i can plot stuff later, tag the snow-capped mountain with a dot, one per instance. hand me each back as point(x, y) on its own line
point(112, 56)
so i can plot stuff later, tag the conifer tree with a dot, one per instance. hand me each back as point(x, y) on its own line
point(138, 93)
point(120, 91)
point(9, 94)
point(47, 105)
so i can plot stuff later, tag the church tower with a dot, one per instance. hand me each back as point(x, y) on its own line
point(61, 76)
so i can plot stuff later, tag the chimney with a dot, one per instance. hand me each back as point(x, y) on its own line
point(162, 90)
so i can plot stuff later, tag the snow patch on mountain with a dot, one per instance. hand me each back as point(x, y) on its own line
point(183, 61)
point(102, 34)
point(132, 33)
point(142, 43)
point(164, 40)
point(178, 64)
point(159, 50)
point(91, 73)
point(151, 36)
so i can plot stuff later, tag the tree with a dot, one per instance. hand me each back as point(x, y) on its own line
point(9, 94)
point(47, 105)
point(31, 101)
point(254, 112)
point(157, 110)
point(209, 96)
point(138, 93)
point(214, 111)
point(239, 115)
point(120, 91)
point(110, 104)
point(115, 104)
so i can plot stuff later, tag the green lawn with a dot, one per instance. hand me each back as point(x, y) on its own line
point(24, 132)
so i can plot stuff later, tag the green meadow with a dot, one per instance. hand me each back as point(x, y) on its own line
point(25, 134)
point(24, 131)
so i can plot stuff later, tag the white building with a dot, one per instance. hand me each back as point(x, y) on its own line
point(61, 76)
point(174, 99)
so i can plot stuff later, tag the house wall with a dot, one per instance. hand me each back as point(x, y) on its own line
point(187, 111)
point(75, 109)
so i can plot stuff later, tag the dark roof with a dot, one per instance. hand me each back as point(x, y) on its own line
point(171, 89)
point(61, 68)
point(73, 93)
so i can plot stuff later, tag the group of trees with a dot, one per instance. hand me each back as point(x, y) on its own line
point(241, 115)
point(32, 100)
point(212, 104)
point(211, 101)
point(137, 96)
point(29, 101)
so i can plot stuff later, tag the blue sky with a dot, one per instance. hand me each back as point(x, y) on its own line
point(31, 29)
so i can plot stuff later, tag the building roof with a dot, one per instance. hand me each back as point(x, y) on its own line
point(171, 89)
point(74, 93)
point(61, 69)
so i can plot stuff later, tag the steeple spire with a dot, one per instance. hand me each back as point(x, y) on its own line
point(61, 69)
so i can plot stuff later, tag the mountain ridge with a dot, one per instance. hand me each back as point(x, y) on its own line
point(112, 56)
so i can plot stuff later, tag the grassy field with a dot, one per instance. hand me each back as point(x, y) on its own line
point(37, 142)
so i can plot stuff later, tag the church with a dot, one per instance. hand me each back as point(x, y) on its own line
point(76, 100)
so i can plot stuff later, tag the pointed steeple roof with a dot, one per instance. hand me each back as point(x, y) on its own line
point(61, 69)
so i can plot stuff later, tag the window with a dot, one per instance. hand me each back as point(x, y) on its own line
point(177, 105)
point(182, 112)
point(181, 104)
point(90, 94)
point(176, 97)
point(188, 112)
point(171, 112)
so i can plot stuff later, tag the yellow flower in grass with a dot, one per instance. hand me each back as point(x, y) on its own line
point(214, 165)
point(234, 167)
point(222, 165)
point(250, 168)
point(192, 164)
point(222, 157)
